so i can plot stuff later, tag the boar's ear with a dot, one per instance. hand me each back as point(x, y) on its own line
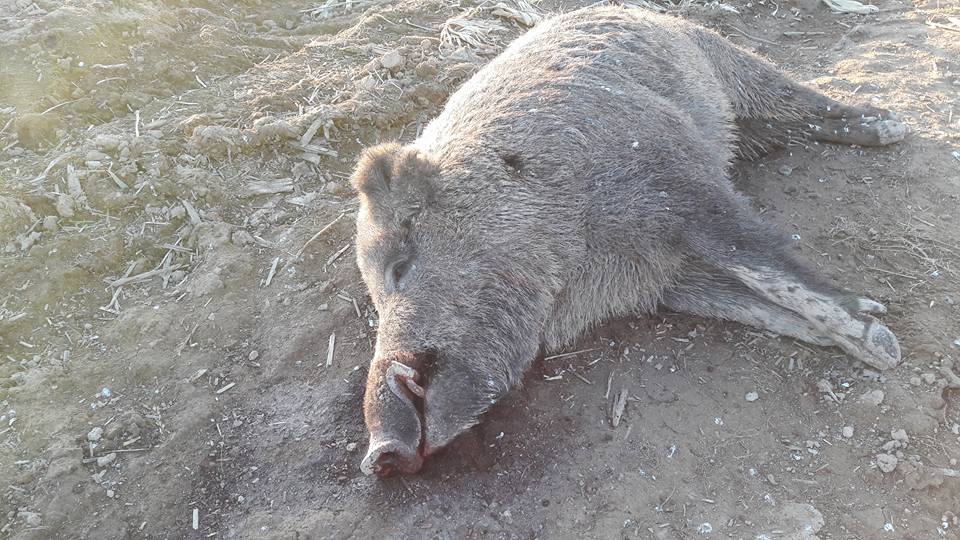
point(396, 175)
point(374, 170)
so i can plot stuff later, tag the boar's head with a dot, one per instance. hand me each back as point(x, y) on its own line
point(455, 264)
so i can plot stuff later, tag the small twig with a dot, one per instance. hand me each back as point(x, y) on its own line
point(314, 237)
point(273, 270)
point(145, 275)
point(755, 38)
point(331, 345)
point(337, 255)
point(891, 273)
point(943, 26)
point(574, 353)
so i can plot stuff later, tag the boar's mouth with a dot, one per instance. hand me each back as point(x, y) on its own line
point(401, 391)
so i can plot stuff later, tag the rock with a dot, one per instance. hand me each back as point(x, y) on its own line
point(96, 155)
point(351, 447)
point(751, 396)
point(51, 223)
point(393, 60)
point(111, 493)
point(95, 434)
point(254, 354)
point(104, 461)
point(428, 70)
point(915, 381)
point(929, 378)
point(847, 432)
point(65, 205)
point(900, 435)
point(886, 462)
point(32, 519)
point(873, 397)
point(107, 143)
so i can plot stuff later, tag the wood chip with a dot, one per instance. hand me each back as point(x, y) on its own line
point(196, 519)
point(337, 255)
point(618, 406)
point(192, 212)
point(225, 388)
point(330, 347)
point(273, 270)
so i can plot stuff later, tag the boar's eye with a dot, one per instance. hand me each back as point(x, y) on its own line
point(396, 273)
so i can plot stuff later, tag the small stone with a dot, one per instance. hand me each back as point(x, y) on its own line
point(751, 396)
point(847, 432)
point(32, 519)
point(873, 397)
point(96, 155)
point(111, 493)
point(254, 354)
point(915, 381)
point(50, 223)
point(929, 378)
point(95, 434)
point(351, 447)
point(393, 60)
point(106, 460)
point(900, 435)
point(886, 462)
point(785, 170)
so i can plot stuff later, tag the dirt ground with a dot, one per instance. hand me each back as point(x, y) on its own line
point(176, 266)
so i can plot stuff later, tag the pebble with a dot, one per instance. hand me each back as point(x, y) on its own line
point(900, 435)
point(50, 223)
point(32, 519)
point(847, 432)
point(103, 461)
point(111, 493)
point(254, 354)
point(751, 396)
point(351, 447)
point(929, 378)
point(915, 381)
point(886, 462)
point(392, 60)
point(95, 434)
point(873, 397)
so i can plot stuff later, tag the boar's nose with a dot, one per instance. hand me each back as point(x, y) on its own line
point(388, 457)
point(392, 410)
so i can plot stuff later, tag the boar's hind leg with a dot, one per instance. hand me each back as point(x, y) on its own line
point(748, 251)
point(711, 293)
point(771, 109)
point(860, 335)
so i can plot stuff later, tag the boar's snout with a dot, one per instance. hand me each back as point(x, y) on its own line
point(393, 411)
point(386, 458)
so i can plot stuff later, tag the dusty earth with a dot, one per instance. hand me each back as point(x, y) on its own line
point(176, 267)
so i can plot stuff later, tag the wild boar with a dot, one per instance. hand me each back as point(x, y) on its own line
point(583, 175)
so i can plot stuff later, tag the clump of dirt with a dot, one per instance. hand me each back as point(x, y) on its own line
point(184, 333)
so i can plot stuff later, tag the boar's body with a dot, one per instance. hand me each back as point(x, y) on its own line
point(579, 176)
